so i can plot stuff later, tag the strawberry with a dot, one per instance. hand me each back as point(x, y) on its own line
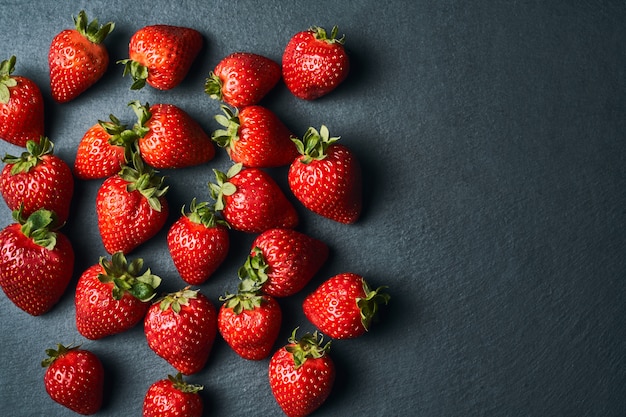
point(242, 79)
point(131, 207)
point(161, 55)
point(37, 179)
point(198, 243)
point(251, 201)
point(112, 296)
point(283, 261)
point(173, 397)
point(301, 374)
point(170, 138)
point(78, 58)
point(181, 329)
point(36, 263)
point(343, 306)
point(21, 107)
point(74, 378)
point(314, 64)
point(256, 137)
point(326, 177)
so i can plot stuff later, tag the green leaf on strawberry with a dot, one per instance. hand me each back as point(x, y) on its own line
point(127, 277)
point(6, 81)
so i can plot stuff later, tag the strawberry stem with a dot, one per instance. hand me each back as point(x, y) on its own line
point(54, 354)
point(92, 30)
point(38, 226)
point(127, 278)
point(6, 81)
point(368, 305)
point(142, 178)
point(222, 186)
point(230, 120)
point(32, 157)
point(314, 144)
point(307, 347)
point(176, 300)
point(213, 86)
point(183, 386)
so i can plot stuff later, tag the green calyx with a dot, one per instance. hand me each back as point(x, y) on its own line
point(128, 278)
point(6, 81)
point(54, 354)
point(92, 30)
point(213, 86)
point(252, 277)
point(120, 135)
point(38, 226)
point(203, 213)
point(178, 383)
point(143, 114)
point(368, 305)
point(229, 120)
point(314, 144)
point(255, 268)
point(222, 187)
point(137, 71)
point(244, 299)
point(320, 34)
point(31, 157)
point(142, 178)
point(307, 347)
point(176, 300)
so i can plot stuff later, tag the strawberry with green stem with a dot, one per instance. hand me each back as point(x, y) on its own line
point(173, 397)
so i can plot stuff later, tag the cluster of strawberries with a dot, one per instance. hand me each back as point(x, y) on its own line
point(114, 295)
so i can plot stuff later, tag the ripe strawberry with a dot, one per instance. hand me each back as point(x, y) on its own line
point(343, 306)
point(283, 261)
point(242, 79)
point(161, 55)
point(181, 329)
point(36, 263)
point(251, 201)
point(198, 243)
point(173, 397)
point(326, 178)
point(77, 58)
point(21, 107)
point(131, 207)
point(37, 179)
point(74, 378)
point(301, 374)
point(170, 138)
point(314, 64)
point(112, 296)
point(256, 137)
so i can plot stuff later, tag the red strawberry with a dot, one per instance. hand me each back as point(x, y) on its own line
point(77, 58)
point(74, 378)
point(314, 64)
point(112, 296)
point(343, 306)
point(198, 243)
point(36, 264)
point(301, 375)
point(21, 107)
point(326, 178)
point(161, 55)
point(256, 137)
point(38, 179)
point(242, 79)
point(131, 207)
point(170, 138)
point(181, 329)
point(173, 397)
point(283, 261)
point(251, 201)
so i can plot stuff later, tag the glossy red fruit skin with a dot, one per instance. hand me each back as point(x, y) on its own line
point(163, 399)
point(96, 158)
point(22, 117)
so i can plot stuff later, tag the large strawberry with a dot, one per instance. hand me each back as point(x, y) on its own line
point(112, 296)
point(301, 374)
point(256, 137)
point(326, 178)
point(251, 201)
point(74, 378)
point(131, 207)
point(181, 328)
point(161, 55)
point(21, 106)
point(198, 242)
point(37, 179)
point(169, 137)
point(242, 79)
point(36, 263)
point(77, 58)
point(343, 306)
point(173, 397)
point(314, 63)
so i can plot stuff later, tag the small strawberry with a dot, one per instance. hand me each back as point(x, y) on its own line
point(301, 374)
point(169, 138)
point(131, 207)
point(21, 107)
point(251, 201)
point(112, 296)
point(74, 378)
point(343, 306)
point(181, 329)
point(161, 55)
point(256, 137)
point(314, 64)
point(37, 179)
point(77, 58)
point(326, 178)
point(173, 397)
point(283, 261)
point(36, 263)
point(242, 79)
point(198, 243)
